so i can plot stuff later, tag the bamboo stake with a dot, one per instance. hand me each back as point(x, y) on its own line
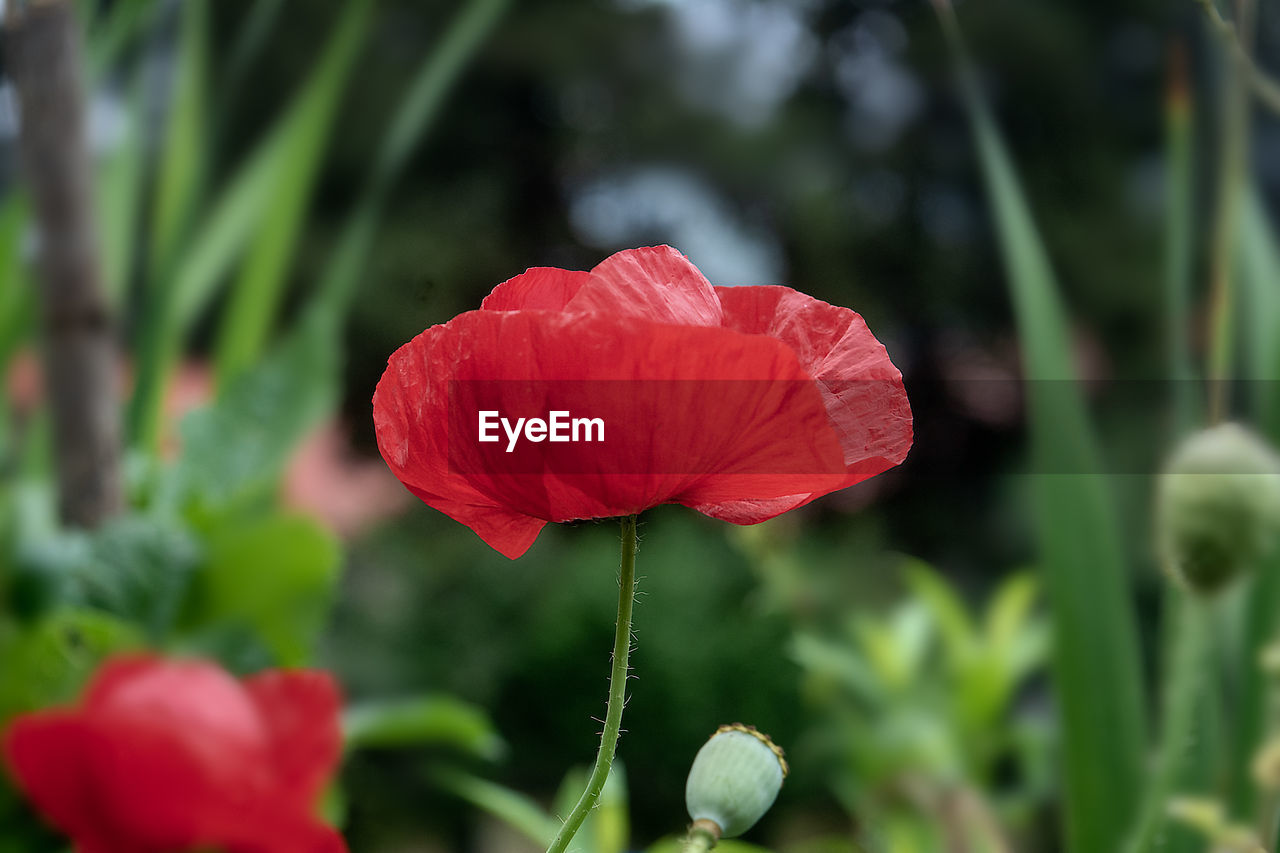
point(79, 353)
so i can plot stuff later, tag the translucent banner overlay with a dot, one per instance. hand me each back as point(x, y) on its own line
point(695, 427)
point(664, 427)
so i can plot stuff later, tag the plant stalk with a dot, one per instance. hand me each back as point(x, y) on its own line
point(703, 837)
point(1265, 87)
point(617, 692)
point(1184, 683)
point(44, 53)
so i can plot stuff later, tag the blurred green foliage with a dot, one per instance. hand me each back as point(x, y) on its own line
point(921, 738)
point(267, 204)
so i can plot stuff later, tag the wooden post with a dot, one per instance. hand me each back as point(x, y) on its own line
point(43, 51)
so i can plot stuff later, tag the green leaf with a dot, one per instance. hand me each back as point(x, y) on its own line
point(414, 118)
point(512, 808)
point(223, 232)
point(333, 804)
point(17, 301)
point(431, 720)
point(140, 569)
point(607, 827)
point(1258, 257)
point(1096, 667)
point(118, 198)
point(825, 660)
point(611, 830)
point(235, 218)
point(183, 156)
point(959, 635)
point(48, 663)
point(1010, 610)
point(274, 576)
point(110, 37)
point(1179, 247)
point(238, 445)
point(1186, 753)
point(879, 646)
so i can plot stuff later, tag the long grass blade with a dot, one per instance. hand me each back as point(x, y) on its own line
point(249, 43)
point(111, 35)
point(1095, 661)
point(1179, 243)
point(118, 198)
point(219, 238)
point(1258, 265)
point(257, 292)
point(413, 120)
point(183, 158)
point(514, 809)
point(1184, 759)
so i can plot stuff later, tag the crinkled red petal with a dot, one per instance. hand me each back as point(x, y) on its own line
point(654, 283)
point(539, 288)
point(692, 414)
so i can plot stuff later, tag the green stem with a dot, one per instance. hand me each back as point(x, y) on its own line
point(1266, 88)
point(1190, 643)
point(617, 692)
point(1254, 711)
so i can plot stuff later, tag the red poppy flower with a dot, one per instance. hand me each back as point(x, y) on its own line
point(740, 402)
point(164, 756)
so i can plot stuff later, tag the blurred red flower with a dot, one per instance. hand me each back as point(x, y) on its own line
point(740, 402)
point(165, 756)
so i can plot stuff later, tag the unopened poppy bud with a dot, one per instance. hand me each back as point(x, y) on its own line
point(1218, 506)
point(734, 780)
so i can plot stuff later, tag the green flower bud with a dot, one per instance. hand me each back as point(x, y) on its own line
point(1218, 507)
point(734, 780)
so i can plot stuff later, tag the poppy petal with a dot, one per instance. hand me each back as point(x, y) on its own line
point(281, 833)
point(162, 794)
point(747, 416)
point(175, 755)
point(45, 754)
point(655, 283)
point(862, 389)
point(178, 696)
point(543, 288)
point(864, 392)
point(412, 431)
point(115, 673)
point(300, 709)
point(507, 532)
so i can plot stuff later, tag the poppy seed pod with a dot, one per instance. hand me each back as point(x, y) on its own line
point(1218, 507)
point(734, 779)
